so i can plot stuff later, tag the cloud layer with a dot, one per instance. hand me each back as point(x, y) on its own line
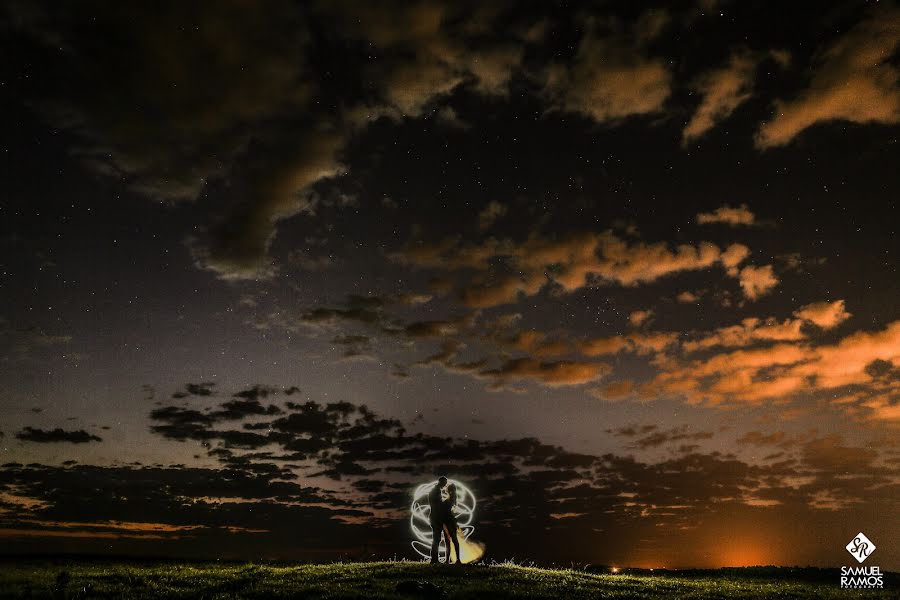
point(311, 479)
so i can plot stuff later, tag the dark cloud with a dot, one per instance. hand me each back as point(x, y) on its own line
point(555, 373)
point(53, 436)
point(161, 96)
point(181, 423)
point(651, 436)
point(355, 346)
point(275, 183)
point(442, 328)
point(258, 392)
point(205, 388)
point(361, 309)
point(758, 438)
point(238, 409)
point(228, 508)
point(526, 477)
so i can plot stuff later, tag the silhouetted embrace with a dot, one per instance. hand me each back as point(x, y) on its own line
point(442, 501)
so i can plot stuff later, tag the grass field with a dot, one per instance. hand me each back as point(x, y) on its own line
point(98, 579)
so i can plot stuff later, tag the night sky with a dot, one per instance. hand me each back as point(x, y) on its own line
point(629, 271)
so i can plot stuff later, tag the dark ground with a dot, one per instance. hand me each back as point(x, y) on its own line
point(61, 578)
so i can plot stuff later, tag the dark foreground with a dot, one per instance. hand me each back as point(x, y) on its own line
point(97, 579)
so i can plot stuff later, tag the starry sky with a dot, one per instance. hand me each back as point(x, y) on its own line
point(628, 270)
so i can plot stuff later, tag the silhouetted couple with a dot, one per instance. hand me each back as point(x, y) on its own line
point(443, 521)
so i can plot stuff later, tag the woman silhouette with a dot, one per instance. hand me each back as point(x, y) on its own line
point(451, 529)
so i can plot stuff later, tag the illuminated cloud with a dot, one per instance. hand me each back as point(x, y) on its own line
point(854, 81)
point(616, 390)
point(749, 331)
point(613, 76)
point(428, 53)
point(639, 317)
point(733, 256)
point(493, 211)
point(722, 91)
point(537, 344)
point(728, 215)
point(574, 262)
point(846, 362)
point(639, 343)
point(757, 281)
point(609, 258)
point(783, 369)
point(883, 407)
point(276, 185)
point(688, 297)
point(824, 314)
point(730, 376)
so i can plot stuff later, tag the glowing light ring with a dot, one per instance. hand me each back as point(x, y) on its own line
point(420, 517)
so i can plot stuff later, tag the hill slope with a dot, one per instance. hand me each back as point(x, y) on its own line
point(98, 579)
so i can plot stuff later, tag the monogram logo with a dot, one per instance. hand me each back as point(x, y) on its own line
point(861, 547)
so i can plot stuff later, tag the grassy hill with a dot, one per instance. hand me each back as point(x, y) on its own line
point(99, 579)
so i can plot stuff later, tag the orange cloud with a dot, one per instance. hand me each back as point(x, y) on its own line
point(639, 317)
point(612, 76)
point(854, 81)
point(574, 262)
point(750, 330)
point(845, 363)
point(639, 343)
point(615, 390)
point(426, 52)
point(733, 256)
point(688, 297)
point(493, 211)
point(824, 314)
point(757, 281)
point(883, 407)
point(537, 344)
point(787, 368)
point(722, 90)
point(729, 215)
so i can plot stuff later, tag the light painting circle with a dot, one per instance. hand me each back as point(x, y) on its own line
point(420, 517)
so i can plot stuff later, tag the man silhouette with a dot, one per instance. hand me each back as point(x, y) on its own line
point(436, 504)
